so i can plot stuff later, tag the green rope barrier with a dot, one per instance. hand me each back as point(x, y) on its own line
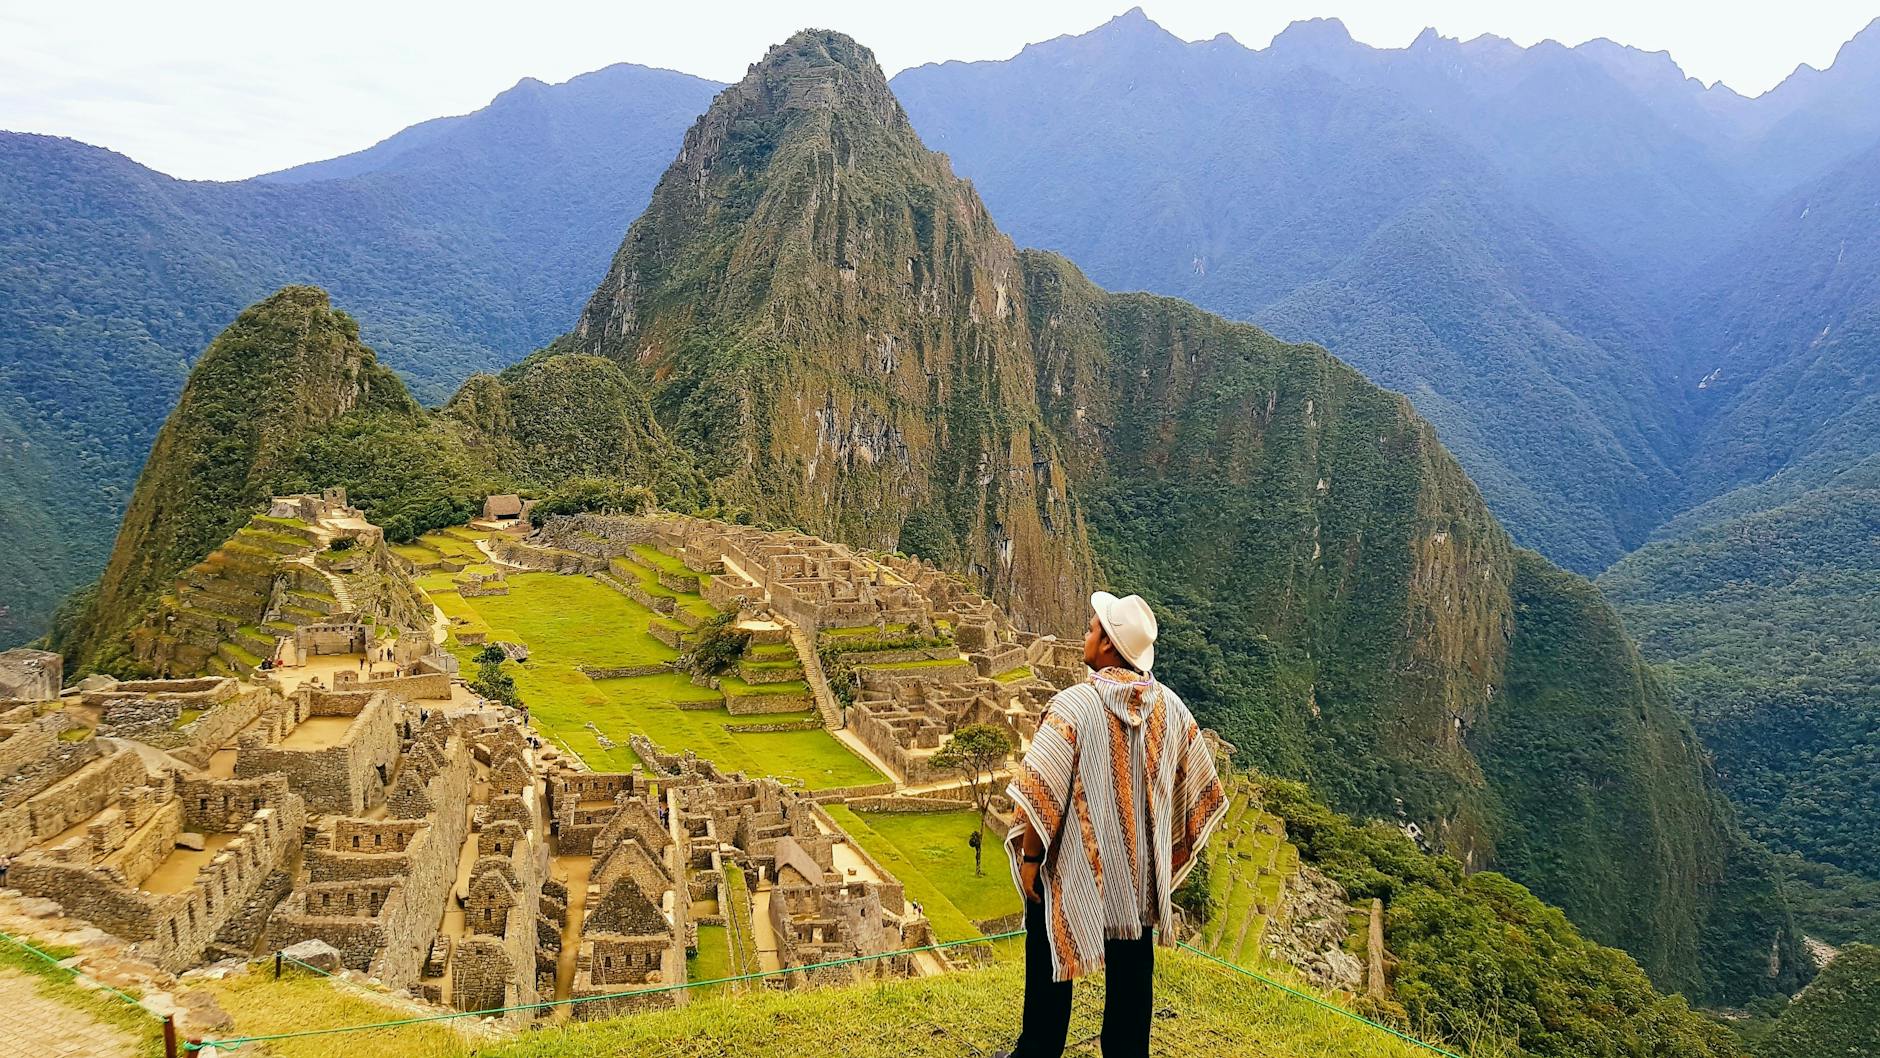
point(1315, 1000)
point(125, 996)
point(236, 1041)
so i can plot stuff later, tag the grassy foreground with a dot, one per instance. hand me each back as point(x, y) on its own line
point(1202, 1010)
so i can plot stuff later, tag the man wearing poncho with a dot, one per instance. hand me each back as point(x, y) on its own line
point(1115, 796)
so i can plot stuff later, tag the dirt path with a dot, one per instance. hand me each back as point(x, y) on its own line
point(573, 872)
point(32, 1023)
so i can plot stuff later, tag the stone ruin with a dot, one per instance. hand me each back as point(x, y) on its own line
point(440, 849)
point(663, 839)
point(309, 577)
point(166, 855)
point(30, 675)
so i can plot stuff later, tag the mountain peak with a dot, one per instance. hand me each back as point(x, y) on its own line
point(1314, 34)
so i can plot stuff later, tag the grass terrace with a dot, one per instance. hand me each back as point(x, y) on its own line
point(927, 851)
point(570, 623)
point(639, 571)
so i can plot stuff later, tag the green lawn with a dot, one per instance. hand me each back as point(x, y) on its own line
point(568, 622)
point(975, 1012)
point(929, 854)
point(714, 955)
point(733, 685)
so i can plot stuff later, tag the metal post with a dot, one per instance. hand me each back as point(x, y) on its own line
point(277, 966)
point(169, 1036)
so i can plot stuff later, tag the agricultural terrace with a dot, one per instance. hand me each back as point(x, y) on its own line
point(1251, 863)
point(574, 623)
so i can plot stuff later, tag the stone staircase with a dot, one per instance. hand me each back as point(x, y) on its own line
point(813, 675)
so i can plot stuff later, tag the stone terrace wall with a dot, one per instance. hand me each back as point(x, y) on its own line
point(423, 685)
point(32, 742)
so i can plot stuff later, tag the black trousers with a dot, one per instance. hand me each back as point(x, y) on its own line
point(1129, 972)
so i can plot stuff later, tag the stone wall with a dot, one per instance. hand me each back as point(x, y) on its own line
point(30, 675)
point(341, 779)
point(72, 799)
point(147, 846)
point(172, 930)
point(432, 685)
point(772, 702)
point(32, 742)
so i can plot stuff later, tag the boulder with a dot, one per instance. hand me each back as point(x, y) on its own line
point(193, 842)
point(315, 953)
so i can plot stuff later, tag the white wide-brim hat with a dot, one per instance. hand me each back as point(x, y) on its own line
point(1131, 626)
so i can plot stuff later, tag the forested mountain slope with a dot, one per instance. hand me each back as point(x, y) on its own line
point(1765, 598)
point(464, 255)
point(1404, 208)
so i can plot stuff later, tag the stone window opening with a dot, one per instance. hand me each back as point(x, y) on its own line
point(355, 838)
point(378, 840)
point(202, 805)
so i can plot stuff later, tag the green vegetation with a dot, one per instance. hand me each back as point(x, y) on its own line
point(975, 752)
point(715, 647)
point(1769, 624)
point(1482, 962)
point(569, 623)
point(1837, 1015)
point(302, 999)
point(580, 495)
point(274, 378)
point(928, 852)
point(713, 960)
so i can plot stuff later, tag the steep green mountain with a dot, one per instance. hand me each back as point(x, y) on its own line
point(466, 242)
point(1479, 962)
point(1765, 598)
point(1838, 1014)
point(829, 320)
point(285, 369)
point(828, 330)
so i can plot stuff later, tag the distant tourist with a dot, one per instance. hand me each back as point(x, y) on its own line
point(1085, 910)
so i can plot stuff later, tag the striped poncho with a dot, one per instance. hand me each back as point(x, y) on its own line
point(1122, 789)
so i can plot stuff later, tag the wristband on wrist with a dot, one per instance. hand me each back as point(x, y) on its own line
point(1034, 859)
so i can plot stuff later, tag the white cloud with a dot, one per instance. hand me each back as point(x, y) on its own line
point(222, 90)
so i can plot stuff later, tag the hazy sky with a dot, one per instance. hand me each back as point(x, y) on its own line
point(213, 89)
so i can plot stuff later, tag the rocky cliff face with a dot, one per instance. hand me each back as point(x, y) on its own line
point(283, 370)
point(828, 319)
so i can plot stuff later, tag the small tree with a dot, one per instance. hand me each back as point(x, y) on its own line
point(492, 682)
point(716, 646)
point(491, 653)
point(975, 753)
